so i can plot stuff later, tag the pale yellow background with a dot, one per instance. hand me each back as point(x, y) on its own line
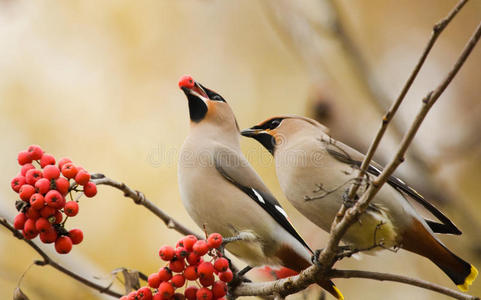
point(97, 81)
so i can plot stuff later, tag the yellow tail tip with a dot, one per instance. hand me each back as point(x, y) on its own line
point(341, 297)
point(469, 280)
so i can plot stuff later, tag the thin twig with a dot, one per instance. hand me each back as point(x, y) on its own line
point(140, 199)
point(46, 260)
point(437, 30)
point(352, 214)
point(402, 279)
point(327, 257)
point(290, 285)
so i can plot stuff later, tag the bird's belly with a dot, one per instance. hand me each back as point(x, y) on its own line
point(226, 211)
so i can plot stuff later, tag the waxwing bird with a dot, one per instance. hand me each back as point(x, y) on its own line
point(222, 192)
point(315, 171)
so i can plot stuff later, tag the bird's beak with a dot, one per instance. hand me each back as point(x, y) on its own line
point(196, 90)
point(251, 132)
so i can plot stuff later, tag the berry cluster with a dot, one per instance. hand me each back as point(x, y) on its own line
point(192, 260)
point(43, 193)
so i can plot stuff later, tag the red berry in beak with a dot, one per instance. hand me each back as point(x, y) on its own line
point(186, 81)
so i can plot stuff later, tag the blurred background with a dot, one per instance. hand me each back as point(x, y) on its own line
point(96, 81)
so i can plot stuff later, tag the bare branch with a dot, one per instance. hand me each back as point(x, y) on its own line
point(140, 199)
point(437, 30)
point(402, 279)
point(299, 282)
point(348, 216)
point(48, 261)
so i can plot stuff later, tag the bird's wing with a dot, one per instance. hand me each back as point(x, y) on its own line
point(352, 157)
point(234, 167)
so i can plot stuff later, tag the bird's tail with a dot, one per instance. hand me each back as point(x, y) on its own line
point(419, 240)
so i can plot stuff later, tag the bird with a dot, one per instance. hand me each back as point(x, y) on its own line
point(222, 192)
point(315, 172)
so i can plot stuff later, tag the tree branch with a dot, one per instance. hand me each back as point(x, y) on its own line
point(299, 282)
point(352, 214)
point(140, 199)
point(46, 260)
point(402, 279)
point(437, 30)
point(347, 217)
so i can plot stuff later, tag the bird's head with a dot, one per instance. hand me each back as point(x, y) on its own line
point(205, 105)
point(277, 131)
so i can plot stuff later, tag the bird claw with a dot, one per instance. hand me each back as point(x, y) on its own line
point(346, 201)
point(315, 257)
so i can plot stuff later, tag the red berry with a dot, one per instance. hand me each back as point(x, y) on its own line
point(29, 226)
point(71, 208)
point(54, 199)
point(157, 297)
point(221, 264)
point(204, 294)
point(214, 240)
point(42, 186)
point(186, 81)
point(190, 292)
point(190, 273)
point(32, 213)
point(200, 247)
point(205, 269)
point(29, 235)
point(26, 191)
point(48, 237)
point(285, 272)
point(63, 245)
point(177, 265)
point(166, 290)
point(58, 217)
point(24, 157)
point(165, 274)
point(33, 175)
point(166, 253)
point(19, 221)
point(17, 183)
point(132, 295)
point(46, 160)
point(154, 280)
point(62, 185)
point(82, 177)
point(63, 161)
point(178, 280)
point(90, 189)
point(181, 252)
point(51, 172)
point(207, 280)
point(37, 201)
point(226, 276)
point(47, 211)
point(219, 289)
point(25, 168)
point(69, 170)
point(144, 293)
point(35, 152)
point(43, 225)
point(178, 296)
point(189, 242)
point(76, 235)
point(193, 259)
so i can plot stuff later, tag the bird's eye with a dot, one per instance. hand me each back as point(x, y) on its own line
point(275, 123)
point(217, 98)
